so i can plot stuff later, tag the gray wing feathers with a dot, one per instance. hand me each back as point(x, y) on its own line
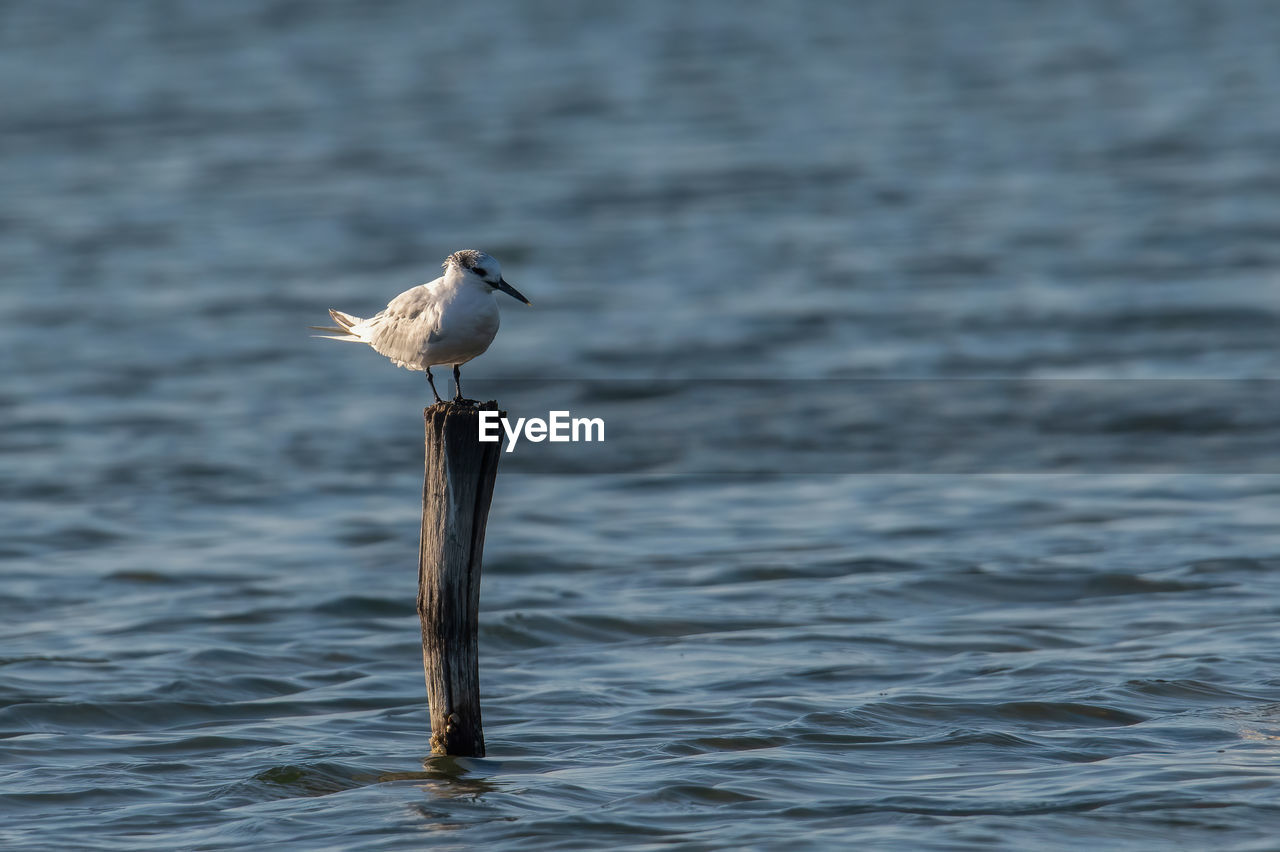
point(399, 331)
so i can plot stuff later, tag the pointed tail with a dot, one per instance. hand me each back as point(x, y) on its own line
point(342, 331)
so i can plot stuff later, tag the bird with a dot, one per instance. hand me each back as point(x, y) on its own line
point(446, 321)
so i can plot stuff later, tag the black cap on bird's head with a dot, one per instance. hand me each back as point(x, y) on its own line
point(485, 268)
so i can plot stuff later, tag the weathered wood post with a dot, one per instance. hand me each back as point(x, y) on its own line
point(456, 491)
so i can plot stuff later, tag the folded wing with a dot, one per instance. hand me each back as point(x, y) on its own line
point(404, 328)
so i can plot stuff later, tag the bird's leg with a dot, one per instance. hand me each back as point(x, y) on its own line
point(457, 381)
point(432, 382)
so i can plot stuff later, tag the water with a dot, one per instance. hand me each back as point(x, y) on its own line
point(209, 524)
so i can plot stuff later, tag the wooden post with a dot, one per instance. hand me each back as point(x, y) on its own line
point(456, 490)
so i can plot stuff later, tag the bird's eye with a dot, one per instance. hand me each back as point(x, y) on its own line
point(480, 272)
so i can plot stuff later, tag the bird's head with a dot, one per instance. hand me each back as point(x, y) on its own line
point(478, 265)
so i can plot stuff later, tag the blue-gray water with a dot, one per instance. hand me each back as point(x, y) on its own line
point(208, 532)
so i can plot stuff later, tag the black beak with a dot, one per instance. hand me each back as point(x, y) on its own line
point(511, 291)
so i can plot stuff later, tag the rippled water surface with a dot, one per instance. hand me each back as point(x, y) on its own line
point(1007, 613)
